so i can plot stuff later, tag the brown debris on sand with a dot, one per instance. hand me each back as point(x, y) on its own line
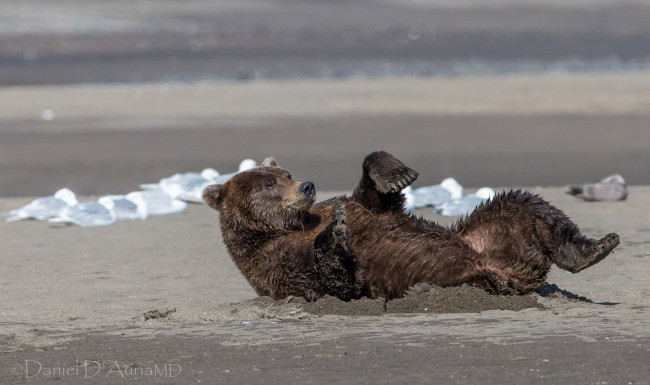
point(156, 314)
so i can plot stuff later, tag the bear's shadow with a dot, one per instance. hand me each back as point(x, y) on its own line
point(552, 290)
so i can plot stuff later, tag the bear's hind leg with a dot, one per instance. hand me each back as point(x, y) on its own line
point(384, 177)
point(578, 255)
point(519, 229)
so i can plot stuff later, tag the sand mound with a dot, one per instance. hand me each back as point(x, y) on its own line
point(422, 298)
point(425, 298)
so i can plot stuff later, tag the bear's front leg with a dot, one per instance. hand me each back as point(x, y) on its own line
point(336, 267)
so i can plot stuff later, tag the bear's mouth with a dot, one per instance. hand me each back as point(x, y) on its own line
point(300, 204)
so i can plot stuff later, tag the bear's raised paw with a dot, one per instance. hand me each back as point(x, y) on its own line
point(388, 173)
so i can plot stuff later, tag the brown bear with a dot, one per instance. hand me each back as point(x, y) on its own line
point(365, 245)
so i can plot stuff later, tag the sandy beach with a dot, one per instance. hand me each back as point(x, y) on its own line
point(74, 294)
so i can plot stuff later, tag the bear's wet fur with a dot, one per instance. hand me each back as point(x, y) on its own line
point(365, 245)
point(282, 248)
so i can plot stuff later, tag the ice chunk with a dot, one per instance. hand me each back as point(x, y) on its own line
point(189, 186)
point(485, 193)
point(125, 208)
point(409, 199)
point(452, 185)
point(88, 214)
point(195, 194)
point(209, 174)
point(430, 196)
point(466, 204)
point(185, 186)
point(245, 165)
point(44, 208)
point(437, 194)
point(158, 202)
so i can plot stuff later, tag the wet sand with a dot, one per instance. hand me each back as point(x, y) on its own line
point(476, 150)
point(74, 294)
point(484, 131)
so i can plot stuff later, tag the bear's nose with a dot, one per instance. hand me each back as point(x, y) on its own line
point(307, 188)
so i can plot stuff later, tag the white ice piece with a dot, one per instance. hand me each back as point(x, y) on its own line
point(189, 186)
point(88, 214)
point(245, 164)
point(158, 202)
point(452, 185)
point(209, 174)
point(466, 204)
point(437, 194)
point(125, 208)
point(485, 193)
point(409, 199)
point(44, 208)
point(430, 196)
point(193, 190)
point(177, 184)
point(186, 186)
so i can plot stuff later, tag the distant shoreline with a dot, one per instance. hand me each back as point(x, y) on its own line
point(176, 104)
point(96, 41)
point(193, 68)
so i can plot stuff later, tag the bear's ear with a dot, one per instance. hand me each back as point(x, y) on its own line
point(269, 162)
point(213, 195)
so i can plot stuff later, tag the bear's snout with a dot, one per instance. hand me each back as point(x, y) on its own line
point(308, 189)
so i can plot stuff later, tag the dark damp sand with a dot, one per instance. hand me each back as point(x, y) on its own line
point(476, 150)
point(359, 360)
point(78, 295)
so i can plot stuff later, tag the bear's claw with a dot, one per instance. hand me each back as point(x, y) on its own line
point(388, 173)
point(339, 215)
point(340, 229)
point(598, 251)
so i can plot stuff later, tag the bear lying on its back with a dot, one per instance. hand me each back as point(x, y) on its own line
point(365, 245)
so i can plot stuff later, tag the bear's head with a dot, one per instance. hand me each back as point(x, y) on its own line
point(263, 199)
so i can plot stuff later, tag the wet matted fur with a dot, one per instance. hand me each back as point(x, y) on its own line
point(365, 245)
